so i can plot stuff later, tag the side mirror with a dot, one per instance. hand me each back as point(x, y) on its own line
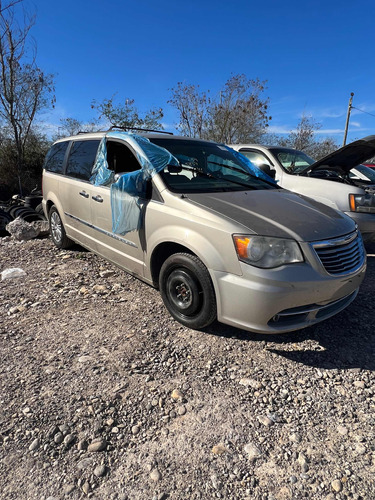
point(267, 170)
point(174, 169)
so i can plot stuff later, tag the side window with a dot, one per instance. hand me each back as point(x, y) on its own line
point(120, 158)
point(256, 157)
point(55, 157)
point(81, 159)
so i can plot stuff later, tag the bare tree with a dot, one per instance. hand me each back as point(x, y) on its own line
point(192, 105)
point(240, 114)
point(24, 88)
point(304, 139)
point(71, 126)
point(8, 5)
point(237, 114)
point(126, 115)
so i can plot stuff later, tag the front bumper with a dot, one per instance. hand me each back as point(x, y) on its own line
point(366, 224)
point(283, 299)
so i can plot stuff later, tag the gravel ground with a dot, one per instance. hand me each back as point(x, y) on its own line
point(104, 396)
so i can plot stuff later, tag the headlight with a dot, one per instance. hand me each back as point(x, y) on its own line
point(262, 251)
point(362, 203)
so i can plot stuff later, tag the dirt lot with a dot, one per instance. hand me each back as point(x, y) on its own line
point(103, 395)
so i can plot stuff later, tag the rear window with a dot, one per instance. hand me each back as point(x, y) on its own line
point(55, 157)
point(81, 159)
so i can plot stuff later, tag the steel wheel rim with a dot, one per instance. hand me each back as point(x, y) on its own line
point(183, 292)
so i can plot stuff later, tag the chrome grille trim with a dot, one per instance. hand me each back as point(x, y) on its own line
point(341, 256)
point(336, 241)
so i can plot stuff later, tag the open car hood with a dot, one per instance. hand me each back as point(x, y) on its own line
point(348, 156)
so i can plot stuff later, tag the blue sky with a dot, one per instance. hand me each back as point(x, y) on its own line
point(312, 54)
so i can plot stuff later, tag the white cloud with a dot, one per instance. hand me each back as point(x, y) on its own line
point(329, 131)
point(328, 113)
point(278, 129)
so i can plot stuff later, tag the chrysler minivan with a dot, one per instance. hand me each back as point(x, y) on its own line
point(218, 237)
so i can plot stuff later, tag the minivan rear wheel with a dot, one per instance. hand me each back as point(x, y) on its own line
point(187, 291)
point(57, 231)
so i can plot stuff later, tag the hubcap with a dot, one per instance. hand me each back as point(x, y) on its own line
point(56, 227)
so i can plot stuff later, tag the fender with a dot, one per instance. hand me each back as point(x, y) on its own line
point(217, 256)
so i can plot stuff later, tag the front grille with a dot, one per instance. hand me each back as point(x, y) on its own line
point(341, 255)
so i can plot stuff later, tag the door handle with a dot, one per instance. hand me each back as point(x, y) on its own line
point(98, 198)
point(84, 194)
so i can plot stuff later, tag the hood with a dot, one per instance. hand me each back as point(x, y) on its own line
point(348, 156)
point(277, 213)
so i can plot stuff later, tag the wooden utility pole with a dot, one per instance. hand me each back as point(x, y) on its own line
point(347, 118)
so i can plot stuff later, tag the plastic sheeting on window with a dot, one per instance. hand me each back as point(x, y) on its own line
point(101, 174)
point(253, 169)
point(127, 194)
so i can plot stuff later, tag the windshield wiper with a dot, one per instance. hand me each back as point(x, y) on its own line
point(229, 167)
point(223, 179)
point(197, 171)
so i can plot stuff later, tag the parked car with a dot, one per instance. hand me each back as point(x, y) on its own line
point(353, 192)
point(370, 165)
point(199, 222)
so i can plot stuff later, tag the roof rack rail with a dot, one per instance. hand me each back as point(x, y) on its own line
point(139, 129)
point(89, 132)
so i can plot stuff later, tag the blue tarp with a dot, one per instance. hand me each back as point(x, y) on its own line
point(253, 169)
point(128, 192)
point(101, 175)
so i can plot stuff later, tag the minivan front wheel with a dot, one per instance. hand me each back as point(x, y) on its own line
point(57, 230)
point(187, 291)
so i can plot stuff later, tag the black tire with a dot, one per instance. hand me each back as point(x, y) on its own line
point(18, 210)
point(32, 217)
point(57, 231)
point(39, 209)
point(5, 218)
point(33, 200)
point(25, 212)
point(187, 291)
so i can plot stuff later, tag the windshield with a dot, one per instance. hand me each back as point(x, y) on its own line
point(206, 167)
point(367, 172)
point(291, 160)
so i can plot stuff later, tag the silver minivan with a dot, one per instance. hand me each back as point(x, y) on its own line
point(195, 219)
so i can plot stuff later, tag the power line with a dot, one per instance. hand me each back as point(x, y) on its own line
point(353, 107)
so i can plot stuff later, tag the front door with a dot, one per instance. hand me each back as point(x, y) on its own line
point(125, 250)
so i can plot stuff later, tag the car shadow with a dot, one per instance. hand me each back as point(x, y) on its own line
point(345, 341)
